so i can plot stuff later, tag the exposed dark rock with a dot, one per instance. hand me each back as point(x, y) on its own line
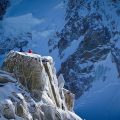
point(4, 4)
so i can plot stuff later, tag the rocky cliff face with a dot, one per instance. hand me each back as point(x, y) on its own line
point(90, 40)
point(96, 33)
point(31, 91)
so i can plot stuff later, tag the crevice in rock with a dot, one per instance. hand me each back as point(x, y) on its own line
point(50, 79)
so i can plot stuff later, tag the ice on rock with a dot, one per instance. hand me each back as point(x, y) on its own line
point(61, 81)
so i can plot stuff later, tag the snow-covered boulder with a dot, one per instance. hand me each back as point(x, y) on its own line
point(32, 90)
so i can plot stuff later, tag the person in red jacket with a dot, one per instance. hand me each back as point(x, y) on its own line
point(30, 51)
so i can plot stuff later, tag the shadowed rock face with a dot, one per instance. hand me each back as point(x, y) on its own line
point(89, 23)
point(35, 81)
point(95, 47)
point(97, 32)
point(4, 4)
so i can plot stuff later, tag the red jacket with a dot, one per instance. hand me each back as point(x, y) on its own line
point(30, 51)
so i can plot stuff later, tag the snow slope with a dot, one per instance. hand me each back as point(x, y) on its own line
point(102, 101)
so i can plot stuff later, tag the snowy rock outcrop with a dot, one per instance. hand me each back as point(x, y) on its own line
point(29, 71)
point(30, 90)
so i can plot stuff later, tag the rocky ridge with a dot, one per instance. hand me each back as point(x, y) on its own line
point(30, 90)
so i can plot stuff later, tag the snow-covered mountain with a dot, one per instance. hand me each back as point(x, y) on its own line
point(83, 38)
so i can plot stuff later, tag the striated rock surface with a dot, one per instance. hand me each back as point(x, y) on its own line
point(28, 70)
point(30, 90)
